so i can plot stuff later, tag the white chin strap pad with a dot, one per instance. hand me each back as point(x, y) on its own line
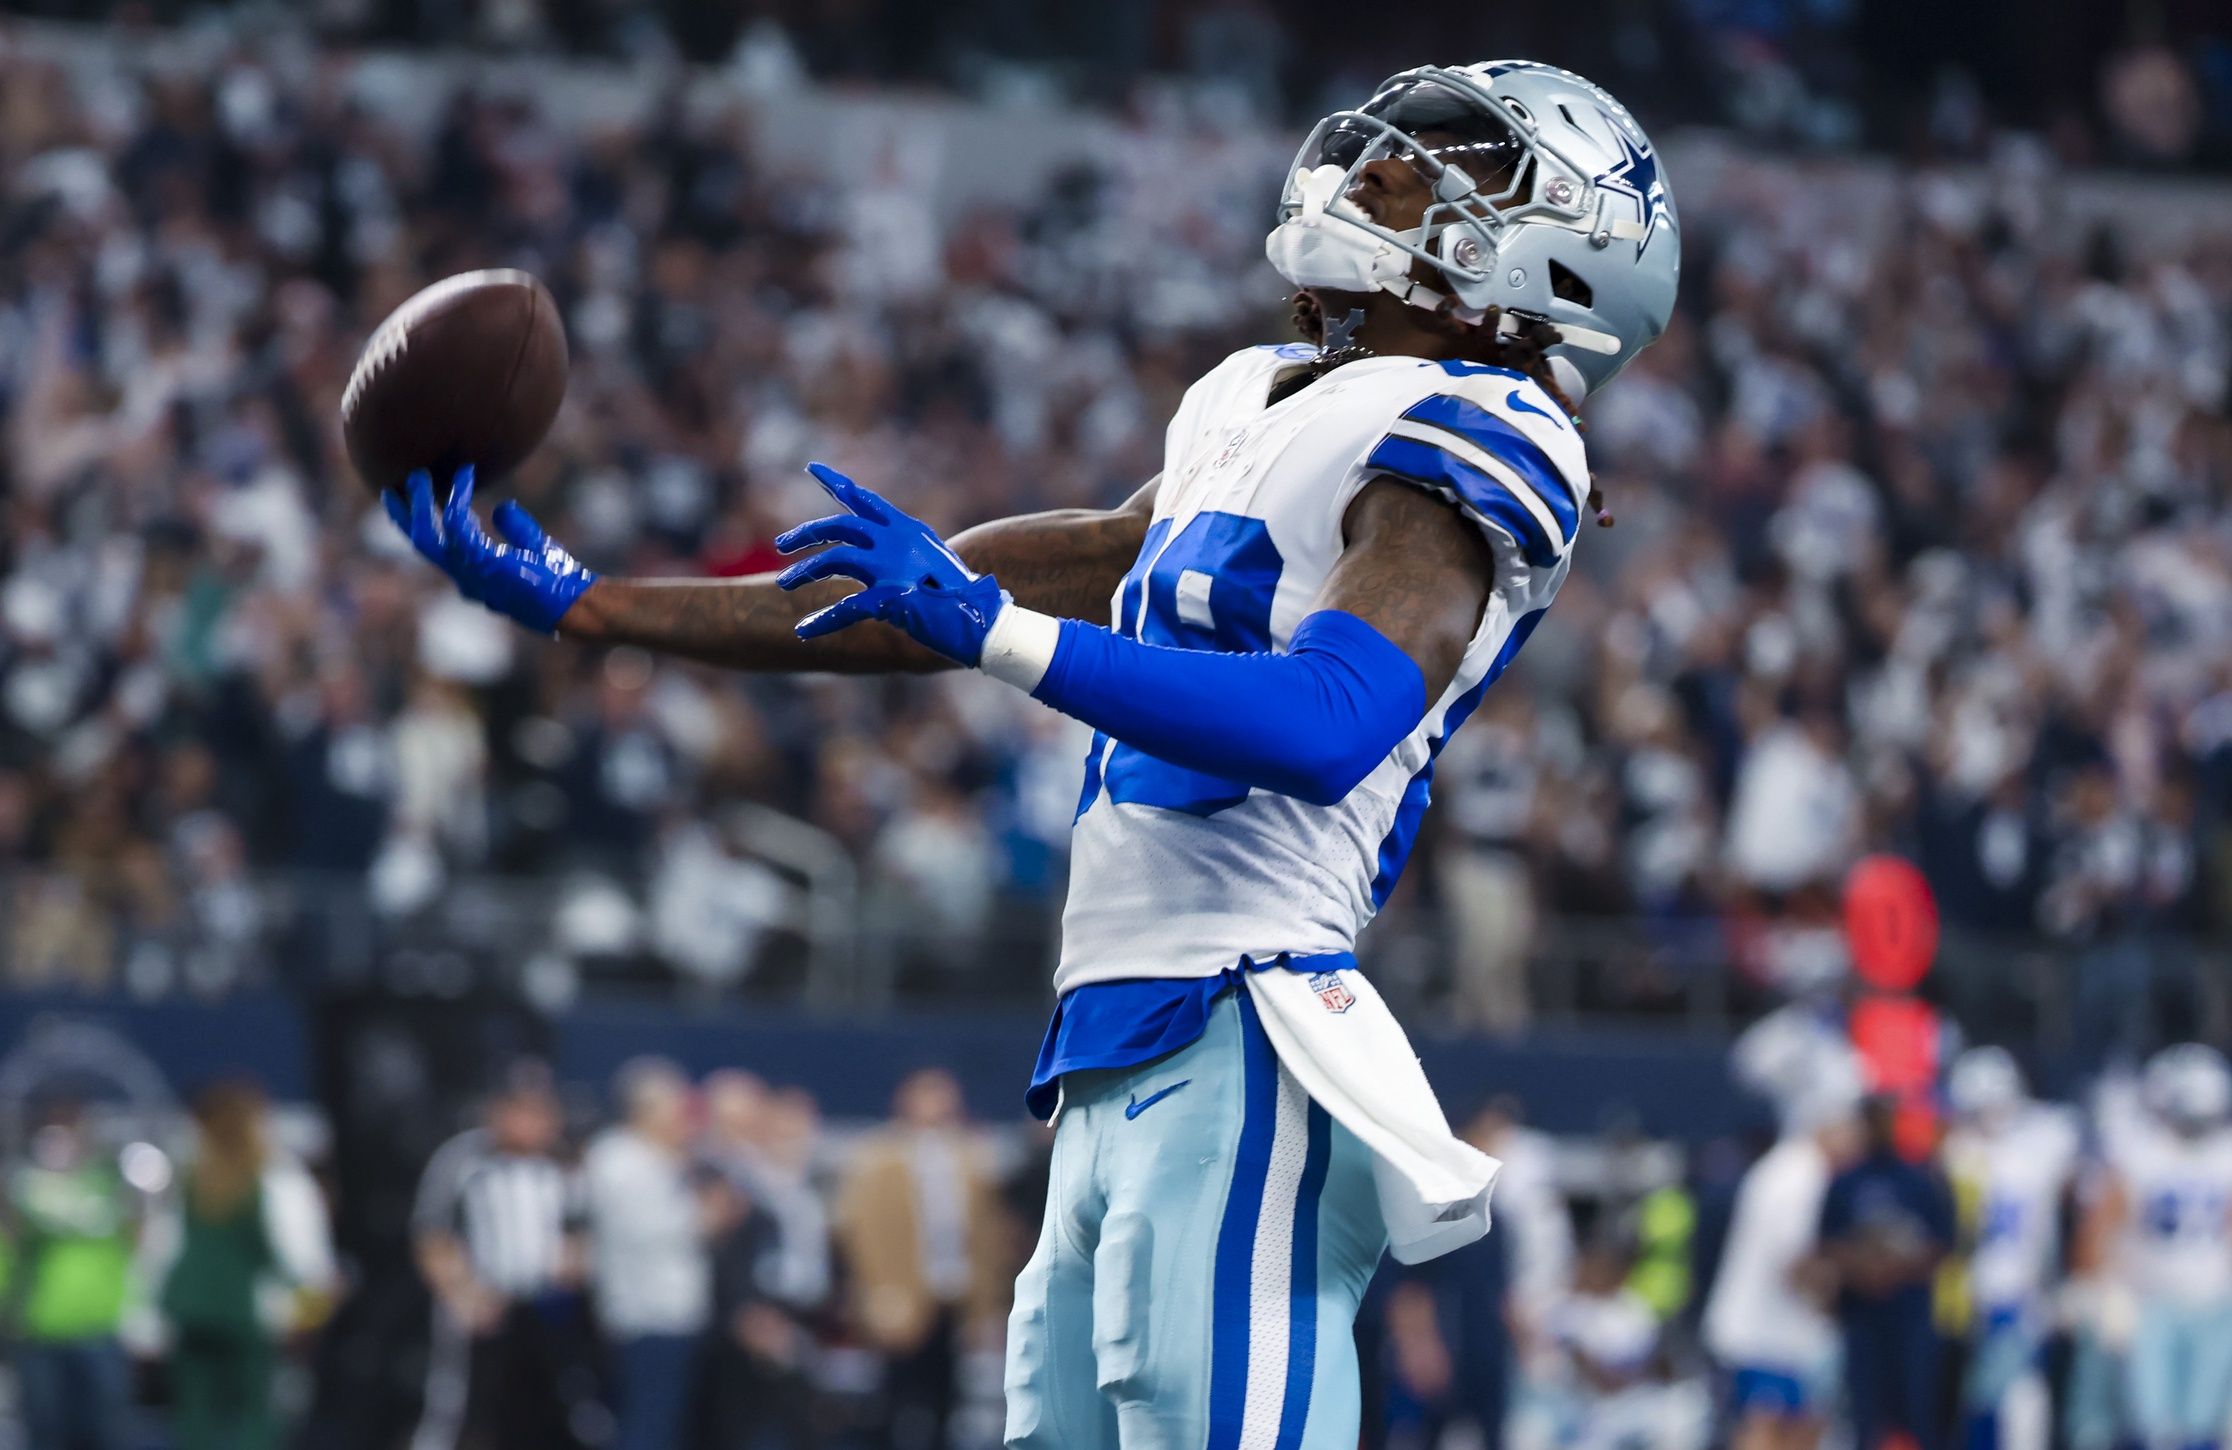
point(1326, 244)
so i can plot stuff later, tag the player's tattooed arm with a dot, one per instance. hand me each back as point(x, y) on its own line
point(1416, 570)
point(1065, 563)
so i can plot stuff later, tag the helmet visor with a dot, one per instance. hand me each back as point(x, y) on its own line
point(1433, 128)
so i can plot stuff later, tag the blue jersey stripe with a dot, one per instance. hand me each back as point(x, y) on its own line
point(1302, 1313)
point(1129, 618)
point(1508, 446)
point(1439, 469)
point(1457, 368)
point(1234, 1270)
point(1091, 790)
point(1395, 850)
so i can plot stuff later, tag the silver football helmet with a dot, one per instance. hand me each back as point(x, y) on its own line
point(1548, 203)
point(2189, 1087)
point(1985, 1085)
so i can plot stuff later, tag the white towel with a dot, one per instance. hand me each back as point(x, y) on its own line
point(1348, 1052)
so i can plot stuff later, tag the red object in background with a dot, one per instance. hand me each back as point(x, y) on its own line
point(1891, 927)
point(728, 559)
point(1891, 923)
point(1897, 1038)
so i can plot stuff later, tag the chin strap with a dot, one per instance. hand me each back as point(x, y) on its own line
point(1419, 294)
point(1588, 339)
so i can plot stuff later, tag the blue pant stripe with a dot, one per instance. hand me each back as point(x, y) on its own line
point(1234, 1273)
point(1302, 1314)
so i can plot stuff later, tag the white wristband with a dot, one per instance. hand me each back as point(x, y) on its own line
point(1019, 648)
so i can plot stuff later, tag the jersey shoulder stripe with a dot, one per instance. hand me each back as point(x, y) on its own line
point(1437, 468)
point(1471, 427)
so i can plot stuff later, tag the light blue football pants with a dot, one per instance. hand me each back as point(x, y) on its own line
point(1209, 1231)
point(2179, 1374)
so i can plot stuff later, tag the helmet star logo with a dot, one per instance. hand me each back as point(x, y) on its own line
point(1637, 177)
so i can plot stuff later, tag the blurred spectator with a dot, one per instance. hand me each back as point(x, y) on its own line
point(652, 1221)
point(497, 1234)
point(1795, 818)
point(1886, 1224)
point(1663, 1222)
point(1766, 1321)
point(770, 1268)
point(1490, 779)
point(767, 1143)
point(1610, 1395)
point(1436, 1344)
point(917, 1222)
point(73, 1226)
point(254, 1264)
point(758, 1363)
point(2151, 101)
point(941, 863)
point(1531, 1210)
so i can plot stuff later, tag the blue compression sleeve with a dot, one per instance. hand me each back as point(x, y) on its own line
point(1309, 723)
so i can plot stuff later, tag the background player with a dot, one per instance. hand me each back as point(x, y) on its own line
point(2161, 1230)
point(2011, 1160)
point(1348, 543)
point(1767, 1320)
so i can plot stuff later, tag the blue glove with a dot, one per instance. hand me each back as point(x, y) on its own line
point(913, 579)
point(527, 577)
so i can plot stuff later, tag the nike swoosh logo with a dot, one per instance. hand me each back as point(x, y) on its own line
point(1136, 1106)
point(1518, 403)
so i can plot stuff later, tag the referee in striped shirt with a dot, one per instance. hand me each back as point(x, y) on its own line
point(497, 1233)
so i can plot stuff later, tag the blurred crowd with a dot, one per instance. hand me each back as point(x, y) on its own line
point(1923, 543)
point(1923, 546)
point(1975, 1266)
point(700, 1265)
point(2018, 1273)
point(707, 1265)
point(712, 1270)
point(2148, 85)
point(201, 1247)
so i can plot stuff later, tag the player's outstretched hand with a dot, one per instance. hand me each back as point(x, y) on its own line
point(911, 578)
point(528, 576)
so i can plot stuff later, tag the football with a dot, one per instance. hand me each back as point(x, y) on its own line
point(471, 370)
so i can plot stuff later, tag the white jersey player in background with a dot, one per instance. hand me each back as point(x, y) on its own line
point(2011, 1160)
point(1350, 540)
point(1767, 1321)
point(2159, 1235)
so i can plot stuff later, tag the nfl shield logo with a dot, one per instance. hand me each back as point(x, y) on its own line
point(1336, 997)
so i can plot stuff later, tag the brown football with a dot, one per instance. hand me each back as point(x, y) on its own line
point(471, 370)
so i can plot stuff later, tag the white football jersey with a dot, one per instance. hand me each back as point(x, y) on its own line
point(2177, 1238)
point(1175, 873)
point(1757, 1317)
point(2018, 1174)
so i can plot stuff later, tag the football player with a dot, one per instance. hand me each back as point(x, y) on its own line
point(1349, 541)
point(1767, 1320)
point(2161, 1229)
point(2013, 1159)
